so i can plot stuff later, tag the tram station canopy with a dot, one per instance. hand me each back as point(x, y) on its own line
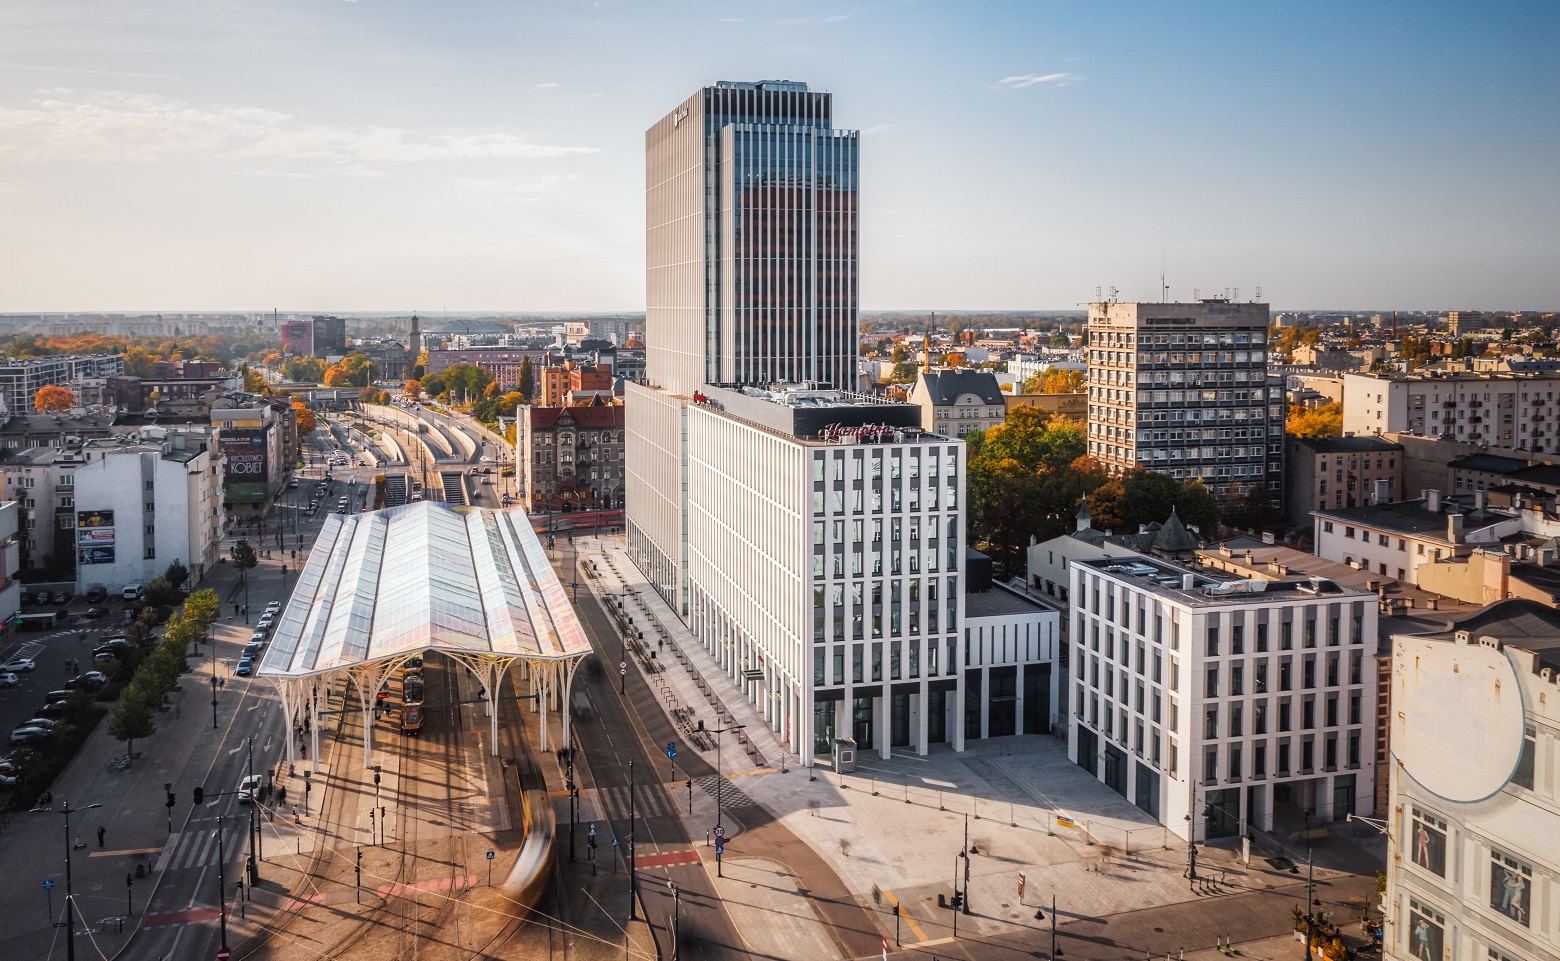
point(420, 578)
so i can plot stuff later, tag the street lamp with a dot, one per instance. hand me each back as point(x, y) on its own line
point(676, 918)
point(719, 781)
point(70, 908)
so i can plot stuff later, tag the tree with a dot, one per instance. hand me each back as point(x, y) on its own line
point(1123, 504)
point(132, 719)
point(160, 593)
point(53, 398)
point(899, 354)
point(527, 379)
point(413, 389)
point(253, 382)
point(1053, 381)
point(176, 574)
point(1024, 479)
point(304, 370)
point(1323, 421)
point(491, 390)
point(307, 422)
point(244, 558)
point(140, 362)
point(904, 372)
point(335, 376)
point(358, 368)
point(203, 607)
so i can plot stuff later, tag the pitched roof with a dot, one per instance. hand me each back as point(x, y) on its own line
point(592, 415)
point(1493, 463)
point(1174, 536)
point(944, 387)
point(1341, 445)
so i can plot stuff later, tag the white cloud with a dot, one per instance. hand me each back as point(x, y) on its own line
point(545, 86)
point(1031, 79)
point(66, 125)
point(524, 188)
point(876, 128)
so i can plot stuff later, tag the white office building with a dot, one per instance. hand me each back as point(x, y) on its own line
point(1474, 830)
point(1247, 704)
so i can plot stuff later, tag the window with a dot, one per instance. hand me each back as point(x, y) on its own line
point(1511, 886)
point(1213, 641)
point(1523, 775)
point(1426, 930)
point(1259, 718)
point(1212, 689)
point(1211, 724)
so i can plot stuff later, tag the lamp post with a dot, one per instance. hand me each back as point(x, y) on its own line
point(633, 867)
point(213, 687)
point(254, 826)
point(676, 918)
point(719, 780)
point(70, 907)
point(1310, 886)
point(221, 884)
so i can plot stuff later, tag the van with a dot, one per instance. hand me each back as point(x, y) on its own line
point(131, 591)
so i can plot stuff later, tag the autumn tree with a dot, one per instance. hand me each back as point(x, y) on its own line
point(527, 379)
point(53, 398)
point(413, 389)
point(335, 376)
point(1138, 497)
point(1323, 421)
point(1053, 381)
point(307, 422)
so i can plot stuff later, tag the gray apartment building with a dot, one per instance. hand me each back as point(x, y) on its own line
point(1182, 389)
point(20, 379)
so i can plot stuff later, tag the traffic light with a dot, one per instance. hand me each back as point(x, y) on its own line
point(170, 799)
point(200, 794)
point(376, 777)
point(958, 899)
point(1021, 880)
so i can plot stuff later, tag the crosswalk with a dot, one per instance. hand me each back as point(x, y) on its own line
point(196, 846)
point(650, 800)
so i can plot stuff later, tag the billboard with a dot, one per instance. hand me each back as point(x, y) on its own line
point(94, 536)
point(96, 555)
point(85, 519)
point(248, 462)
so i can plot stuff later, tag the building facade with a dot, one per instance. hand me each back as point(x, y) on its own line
point(571, 458)
point(1335, 472)
point(250, 441)
point(142, 507)
point(1396, 540)
point(826, 564)
point(503, 363)
point(1221, 706)
point(1183, 389)
point(1516, 410)
point(750, 278)
point(21, 379)
point(1473, 852)
point(955, 401)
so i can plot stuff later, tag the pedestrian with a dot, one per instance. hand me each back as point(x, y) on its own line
point(221, 683)
point(101, 831)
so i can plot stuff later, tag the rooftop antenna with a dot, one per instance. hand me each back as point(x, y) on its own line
point(1164, 289)
point(1259, 292)
point(1237, 294)
point(1099, 294)
point(1113, 295)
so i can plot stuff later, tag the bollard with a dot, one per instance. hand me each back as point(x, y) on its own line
point(977, 808)
point(874, 786)
point(940, 802)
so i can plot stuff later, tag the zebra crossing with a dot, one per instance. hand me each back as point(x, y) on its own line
point(197, 846)
point(650, 801)
point(731, 796)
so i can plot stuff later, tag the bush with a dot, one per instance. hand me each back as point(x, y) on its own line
point(41, 765)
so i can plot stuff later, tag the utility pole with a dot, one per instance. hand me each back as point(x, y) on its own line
point(70, 901)
point(632, 866)
point(676, 918)
point(221, 884)
point(966, 852)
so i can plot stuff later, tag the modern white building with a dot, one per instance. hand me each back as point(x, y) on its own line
point(1516, 408)
point(1395, 540)
point(142, 506)
point(1182, 389)
point(1474, 830)
point(1222, 706)
point(826, 545)
point(1012, 653)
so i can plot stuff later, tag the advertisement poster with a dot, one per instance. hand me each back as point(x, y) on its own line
point(85, 519)
point(247, 463)
point(95, 537)
point(97, 555)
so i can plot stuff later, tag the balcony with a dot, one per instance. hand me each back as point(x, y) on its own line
point(1475, 403)
point(1537, 418)
point(1449, 404)
point(1475, 419)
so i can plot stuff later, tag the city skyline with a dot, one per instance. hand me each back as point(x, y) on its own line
point(374, 156)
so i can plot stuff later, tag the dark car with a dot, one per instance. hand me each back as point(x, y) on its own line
point(93, 613)
point(90, 680)
point(97, 595)
point(54, 697)
point(55, 709)
point(26, 599)
point(61, 597)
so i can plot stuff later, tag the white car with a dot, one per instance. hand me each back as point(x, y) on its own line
point(273, 607)
point(17, 664)
point(7, 679)
point(249, 787)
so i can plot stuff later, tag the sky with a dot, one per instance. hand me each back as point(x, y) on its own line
point(469, 155)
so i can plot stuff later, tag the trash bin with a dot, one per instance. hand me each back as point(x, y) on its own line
point(844, 755)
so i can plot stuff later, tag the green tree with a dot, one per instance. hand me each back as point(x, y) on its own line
point(132, 719)
point(176, 574)
point(203, 607)
point(160, 593)
point(527, 379)
point(1053, 381)
point(904, 372)
point(244, 558)
point(899, 354)
point(1123, 504)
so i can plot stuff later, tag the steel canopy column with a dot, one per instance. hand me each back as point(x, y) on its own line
point(568, 685)
point(287, 693)
point(314, 727)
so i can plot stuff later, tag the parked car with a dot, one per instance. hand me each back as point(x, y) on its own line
point(258, 637)
point(46, 723)
point(131, 591)
point(61, 597)
point(25, 599)
point(252, 649)
point(293, 482)
point(246, 667)
point(97, 595)
point(7, 679)
point(249, 788)
point(54, 697)
point(18, 664)
point(104, 654)
point(55, 709)
point(93, 613)
point(265, 623)
point(28, 735)
point(91, 680)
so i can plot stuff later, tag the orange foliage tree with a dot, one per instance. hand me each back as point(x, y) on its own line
point(413, 389)
point(307, 422)
point(335, 376)
point(53, 397)
point(1323, 421)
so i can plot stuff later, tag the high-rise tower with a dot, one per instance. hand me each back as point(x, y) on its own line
point(750, 278)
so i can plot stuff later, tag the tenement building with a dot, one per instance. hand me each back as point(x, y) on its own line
point(750, 278)
point(1223, 706)
point(1513, 408)
point(1182, 389)
point(1474, 833)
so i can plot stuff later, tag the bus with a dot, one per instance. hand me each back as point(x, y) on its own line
point(412, 714)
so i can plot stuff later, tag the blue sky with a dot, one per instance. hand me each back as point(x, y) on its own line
point(399, 154)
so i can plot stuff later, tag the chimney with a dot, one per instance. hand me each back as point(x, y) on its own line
point(1433, 501)
point(1479, 500)
point(1188, 581)
point(1382, 496)
point(1454, 528)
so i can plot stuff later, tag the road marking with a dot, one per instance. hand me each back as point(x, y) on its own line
point(115, 854)
point(667, 859)
point(904, 912)
point(239, 748)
